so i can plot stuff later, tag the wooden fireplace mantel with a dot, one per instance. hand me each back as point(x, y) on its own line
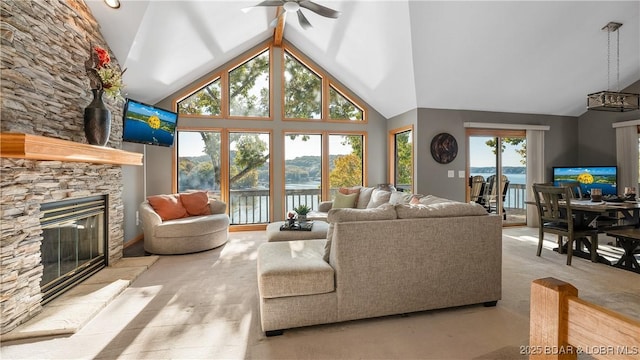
point(35, 147)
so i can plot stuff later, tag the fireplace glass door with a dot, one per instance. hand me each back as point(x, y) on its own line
point(73, 244)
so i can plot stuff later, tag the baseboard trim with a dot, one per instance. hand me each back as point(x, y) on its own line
point(133, 241)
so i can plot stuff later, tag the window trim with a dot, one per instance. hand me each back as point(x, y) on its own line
point(241, 61)
point(327, 83)
point(201, 85)
point(312, 69)
point(391, 153)
point(325, 134)
point(339, 89)
point(228, 131)
point(224, 166)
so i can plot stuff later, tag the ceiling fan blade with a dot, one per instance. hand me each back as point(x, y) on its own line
point(303, 20)
point(319, 9)
point(271, 3)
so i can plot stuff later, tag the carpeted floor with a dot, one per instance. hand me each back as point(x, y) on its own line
point(205, 306)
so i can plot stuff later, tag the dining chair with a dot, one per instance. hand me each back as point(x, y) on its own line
point(556, 217)
point(576, 190)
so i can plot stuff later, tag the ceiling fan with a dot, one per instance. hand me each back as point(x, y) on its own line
point(296, 6)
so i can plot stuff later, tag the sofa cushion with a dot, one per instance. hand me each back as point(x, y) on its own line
point(364, 197)
point(344, 201)
point(196, 203)
point(378, 197)
point(192, 226)
point(399, 197)
point(442, 209)
point(168, 207)
point(383, 212)
point(431, 199)
point(350, 190)
point(293, 268)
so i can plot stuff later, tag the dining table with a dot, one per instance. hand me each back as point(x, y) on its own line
point(587, 213)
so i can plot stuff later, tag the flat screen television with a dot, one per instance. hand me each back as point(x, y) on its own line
point(589, 177)
point(148, 124)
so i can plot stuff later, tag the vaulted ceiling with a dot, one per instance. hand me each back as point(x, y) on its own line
point(540, 57)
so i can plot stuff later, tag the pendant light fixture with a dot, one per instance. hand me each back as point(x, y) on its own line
point(613, 100)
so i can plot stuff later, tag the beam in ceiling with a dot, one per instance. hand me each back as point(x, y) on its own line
point(278, 32)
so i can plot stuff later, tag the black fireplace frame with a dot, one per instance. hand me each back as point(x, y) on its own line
point(55, 213)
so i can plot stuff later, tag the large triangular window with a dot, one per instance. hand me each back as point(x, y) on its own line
point(249, 87)
point(206, 101)
point(302, 90)
point(341, 108)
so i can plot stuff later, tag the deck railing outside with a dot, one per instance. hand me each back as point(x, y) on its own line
point(252, 206)
point(515, 197)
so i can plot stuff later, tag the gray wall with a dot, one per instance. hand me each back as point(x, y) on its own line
point(132, 192)
point(432, 177)
point(597, 138)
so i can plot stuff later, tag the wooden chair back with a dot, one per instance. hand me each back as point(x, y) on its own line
point(554, 204)
point(477, 188)
point(576, 190)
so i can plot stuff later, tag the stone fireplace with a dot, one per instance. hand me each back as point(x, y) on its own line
point(31, 178)
point(45, 158)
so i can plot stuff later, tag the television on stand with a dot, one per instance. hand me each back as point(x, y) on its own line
point(147, 124)
point(589, 177)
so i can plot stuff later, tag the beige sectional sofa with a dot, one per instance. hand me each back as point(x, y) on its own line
point(367, 197)
point(393, 259)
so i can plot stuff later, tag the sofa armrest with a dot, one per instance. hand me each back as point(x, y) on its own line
point(149, 218)
point(217, 206)
point(325, 206)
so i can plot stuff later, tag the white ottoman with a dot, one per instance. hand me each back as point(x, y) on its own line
point(318, 231)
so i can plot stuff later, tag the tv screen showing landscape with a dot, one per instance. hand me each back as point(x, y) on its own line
point(148, 124)
point(589, 177)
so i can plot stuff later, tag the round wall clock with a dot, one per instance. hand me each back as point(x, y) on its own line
point(444, 148)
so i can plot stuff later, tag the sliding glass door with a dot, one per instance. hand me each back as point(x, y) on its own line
point(497, 172)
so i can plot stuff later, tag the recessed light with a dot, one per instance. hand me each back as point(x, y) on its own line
point(114, 4)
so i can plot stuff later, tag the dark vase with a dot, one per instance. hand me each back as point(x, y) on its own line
point(97, 120)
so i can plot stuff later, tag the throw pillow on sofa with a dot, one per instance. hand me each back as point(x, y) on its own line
point(383, 212)
point(364, 197)
point(399, 197)
point(168, 207)
point(196, 203)
point(344, 201)
point(350, 190)
point(378, 197)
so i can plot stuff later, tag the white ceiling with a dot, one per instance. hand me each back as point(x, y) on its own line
point(540, 57)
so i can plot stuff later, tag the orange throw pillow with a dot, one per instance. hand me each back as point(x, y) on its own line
point(415, 200)
point(168, 207)
point(349, 191)
point(196, 203)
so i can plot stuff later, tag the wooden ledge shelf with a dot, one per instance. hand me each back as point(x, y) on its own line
point(34, 147)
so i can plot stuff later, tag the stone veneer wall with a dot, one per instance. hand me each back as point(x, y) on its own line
point(45, 88)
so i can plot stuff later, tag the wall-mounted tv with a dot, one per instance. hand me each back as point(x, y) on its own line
point(589, 177)
point(148, 124)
